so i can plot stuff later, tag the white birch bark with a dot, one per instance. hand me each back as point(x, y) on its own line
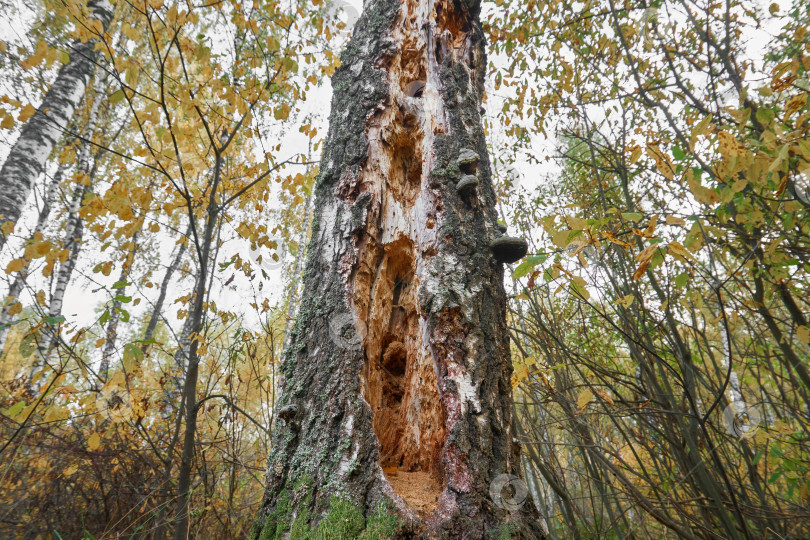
point(74, 231)
point(22, 276)
point(39, 136)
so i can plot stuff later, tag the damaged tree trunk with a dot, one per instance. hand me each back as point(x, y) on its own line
point(395, 389)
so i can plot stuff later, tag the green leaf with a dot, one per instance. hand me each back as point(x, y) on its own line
point(765, 116)
point(54, 320)
point(132, 355)
point(631, 216)
point(528, 265)
point(15, 409)
point(677, 153)
point(104, 317)
point(682, 280)
point(120, 284)
point(123, 299)
point(28, 345)
point(124, 314)
point(580, 291)
point(116, 97)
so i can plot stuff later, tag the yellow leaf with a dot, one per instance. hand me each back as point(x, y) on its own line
point(640, 270)
point(94, 442)
point(795, 103)
point(739, 185)
point(672, 220)
point(27, 112)
point(13, 411)
point(625, 300)
point(678, 251)
point(118, 380)
point(803, 333)
point(100, 342)
point(282, 112)
point(520, 374)
point(577, 224)
point(7, 228)
point(729, 146)
point(15, 308)
point(560, 238)
point(40, 296)
point(583, 399)
point(8, 122)
point(579, 289)
point(700, 129)
point(635, 154)
point(662, 161)
point(702, 194)
point(15, 266)
point(42, 249)
point(648, 232)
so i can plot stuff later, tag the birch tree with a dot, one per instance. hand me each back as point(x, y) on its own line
point(27, 158)
point(395, 399)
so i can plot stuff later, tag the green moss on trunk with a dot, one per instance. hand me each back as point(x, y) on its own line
point(343, 521)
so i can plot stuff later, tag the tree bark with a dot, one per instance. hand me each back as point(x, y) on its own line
point(22, 276)
point(157, 311)
point(37, 139)
point(86, 165)
point(197, 317)
point(292, 295)
point(395, 387)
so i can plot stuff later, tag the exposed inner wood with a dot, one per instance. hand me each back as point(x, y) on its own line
point(400, 237)
point(419, 489)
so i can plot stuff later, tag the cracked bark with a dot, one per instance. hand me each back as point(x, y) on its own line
point(395, 384)
point(28, 156)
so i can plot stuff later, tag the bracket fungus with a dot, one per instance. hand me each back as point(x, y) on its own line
point(467, 160)
point(467, 184)
point(509, 249)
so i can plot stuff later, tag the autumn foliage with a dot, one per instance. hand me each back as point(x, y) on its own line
point(656, 154)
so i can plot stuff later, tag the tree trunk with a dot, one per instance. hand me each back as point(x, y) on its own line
point(22, 276)
point(74, 231)
point(111, 333)
point(395, 387)
point(197, 316)
point(157, 311)
point(27, 157)
point(292, 296)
